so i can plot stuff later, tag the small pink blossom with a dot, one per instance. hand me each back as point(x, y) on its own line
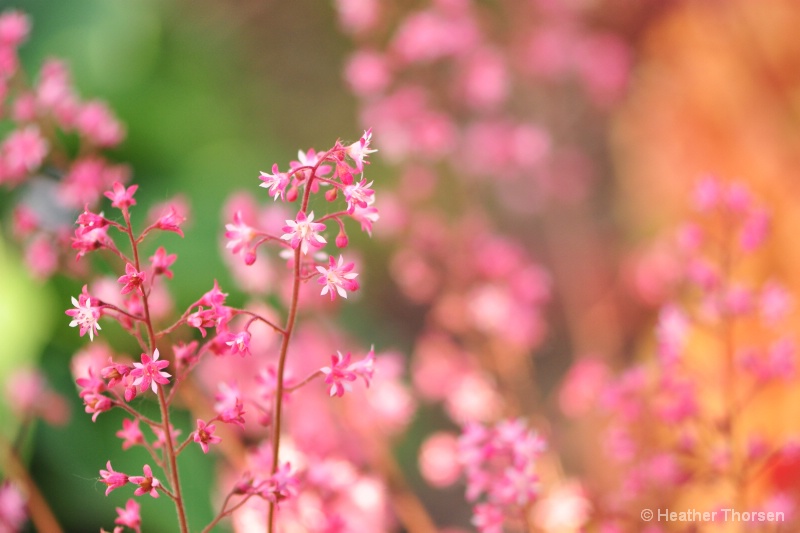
point(185, 354)
point(147, 483)
point(115, 373)
point(337, 278)
point(303, 232)
point(366, 216)
point(97, 123)
point(129, 516)
point(161, 262)
point(358, 195)
point(240, 343)
point(114, 480)
point(149, 372)
point(171, 221)
point(339, 375)
point(229, 404)
point(281, 486)
point(120, 196)
point(132, 280)
point(12, 507)
point(239, 234)
point(276, 182)
point(359, 150)
point(86, 314)
point(204, 435)
point(23, 151)
point(775, 303)
point(130, 433)
point(14, 28)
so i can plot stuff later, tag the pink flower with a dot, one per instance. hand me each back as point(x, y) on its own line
point(239, 234)
point(337, 278)
point(161, 262)
point(130, 433)
point(132, 279)
point(281, 485)
point(14, 28)
point(114, 480)
point(366, 216)
point(115, 373)
point(488, 518)
point(88, 178)
point(367, 73)
point(171, 221)
point(229, 404)
point(120, 196)
point(338, 375)
point(85, 315)
point(12, 506)
point(147, 483)
point(23, 151)
point(359, 150)
point(365, 368)
point(275, 182)
point(240, 343)
point(302, 232)
point(204, 435)
point(149, 373)
point(185, 354)
point(358, 195)
point(129, 516)
point(96, 122)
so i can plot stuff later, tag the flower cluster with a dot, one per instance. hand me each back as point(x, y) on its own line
point(723, 336)
point(500, 464)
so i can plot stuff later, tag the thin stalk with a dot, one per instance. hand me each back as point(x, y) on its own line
point(287, 335)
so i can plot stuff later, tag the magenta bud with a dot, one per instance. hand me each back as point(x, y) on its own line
point(341, 240)
point(250, 258)
point(291, 194)
point(331, 194)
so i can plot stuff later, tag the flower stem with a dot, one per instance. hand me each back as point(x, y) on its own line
point(172, 471)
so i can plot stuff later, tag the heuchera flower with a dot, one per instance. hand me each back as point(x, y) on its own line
point(359, 150)
point(23, 151)
point(12, 506)
point(130, 433)
point(281, 485)
point(342, 372)
point(114, 480)
point(204, 435)
point(239, 234)
point(338, 375)
point(129, 516)
point(229, 404)
point(86, 314)
point(120, 196)
point(303, 232)
point(147, 483)
point(161, 262)
point(338, 278)
point(132, 280)
point(358, 195)
point(240, 343)
point(275, 182)
point(171, 221)
point(148, 373)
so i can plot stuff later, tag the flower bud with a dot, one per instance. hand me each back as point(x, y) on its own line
point(291, 194)
point(341, 240)
point(250, 258)
point(331, 194)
